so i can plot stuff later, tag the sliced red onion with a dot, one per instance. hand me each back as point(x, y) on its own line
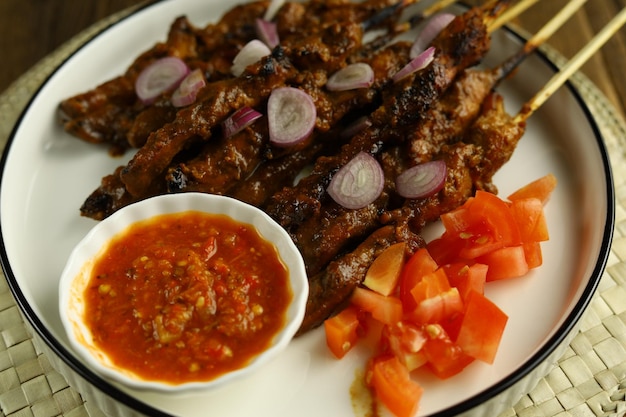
point(430, 31)
point(358, 183)
point(188, 89)
point(239, 120)
point(267, 32)
point(351, 77)
point(252, 52)
point(422, 180)
point(162, 75)
point(416, 64)
point(291, 116)
point(272, 9)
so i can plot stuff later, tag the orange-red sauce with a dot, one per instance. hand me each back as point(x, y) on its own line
point(187, 297)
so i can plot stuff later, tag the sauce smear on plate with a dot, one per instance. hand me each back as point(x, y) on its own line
point(186, 297)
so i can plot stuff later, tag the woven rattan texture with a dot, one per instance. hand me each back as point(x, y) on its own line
point(588, 381)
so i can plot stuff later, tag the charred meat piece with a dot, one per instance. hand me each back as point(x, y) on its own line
point(487, 145)
point(462, 44)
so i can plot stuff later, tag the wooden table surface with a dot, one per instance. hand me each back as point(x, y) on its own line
point(31, 29)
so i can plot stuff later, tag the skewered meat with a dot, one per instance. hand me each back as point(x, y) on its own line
point(494, 135)
point(188, 154)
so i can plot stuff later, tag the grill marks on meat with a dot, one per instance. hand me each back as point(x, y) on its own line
point(331, 288)
point(107, 114)
point(462, 44)
point(197, 122)
point(111, 112)
point(494, 134)
point(220, 165)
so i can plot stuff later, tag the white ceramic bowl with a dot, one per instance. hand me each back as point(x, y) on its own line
point(78, 270)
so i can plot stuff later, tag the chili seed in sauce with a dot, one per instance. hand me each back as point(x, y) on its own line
point(187, 297)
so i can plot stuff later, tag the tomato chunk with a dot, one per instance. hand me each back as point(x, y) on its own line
point(438, 308)
point(384, 273)
point(431, 285)
point(466, 277)
point(540, 188)
point(386, 310)
point(341, 331)
point(505, 263)
point(405, 340)
point(445, 358)
point(418, 265)
point(529, 215)
point(482, 328)
point(533, 254)
point(394, 387)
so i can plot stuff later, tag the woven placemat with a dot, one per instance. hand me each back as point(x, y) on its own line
point(588, 380)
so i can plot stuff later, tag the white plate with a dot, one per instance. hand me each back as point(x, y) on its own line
point(47, 175)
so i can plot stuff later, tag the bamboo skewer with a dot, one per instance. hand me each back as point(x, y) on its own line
point(571, 67)
point(540, 37)
point(511, 13)
point(554, 24)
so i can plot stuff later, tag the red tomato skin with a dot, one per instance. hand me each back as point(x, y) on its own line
point(446, 249)
point(505, 263)
point(445, 358)
point(531, 220)
point(418, 265)
point(541, 188)
point(341, 331)
point(436, 309)
point(494, 213)
point(533, 254)
point(394, 387)
point(482, 328)
point(431, 285)
point(386, 310)
point(467, 277)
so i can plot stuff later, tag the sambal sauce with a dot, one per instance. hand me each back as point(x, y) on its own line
point(186, 297)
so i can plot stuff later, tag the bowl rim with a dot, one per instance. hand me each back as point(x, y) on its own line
point(489, 393)
point(92, 244)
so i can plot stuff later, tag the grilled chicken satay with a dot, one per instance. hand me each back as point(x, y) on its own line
point(471, 164)
point(112, 113)
point(106, 114)
point(206, 172)
point(320, 53)
point(110, 196)
point(460, 45)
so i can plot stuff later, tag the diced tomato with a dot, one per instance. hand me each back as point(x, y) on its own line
point(387, 310)
point(394, 387)
point(492, 224)
point(430, 285)
point(541, 189)
point(405, 340)
point(341, 331)
point(467, 277)
point(384, 273)
point(418, 265)
point(459, 220)
point(445, 249)
point(440, 307)
point(533, 254)
point(482, 328)
point(529, 215)
point(505, 263)
point(445, 358)
point(431, 309)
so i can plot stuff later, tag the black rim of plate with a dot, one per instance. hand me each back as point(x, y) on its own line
point(526, 368)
